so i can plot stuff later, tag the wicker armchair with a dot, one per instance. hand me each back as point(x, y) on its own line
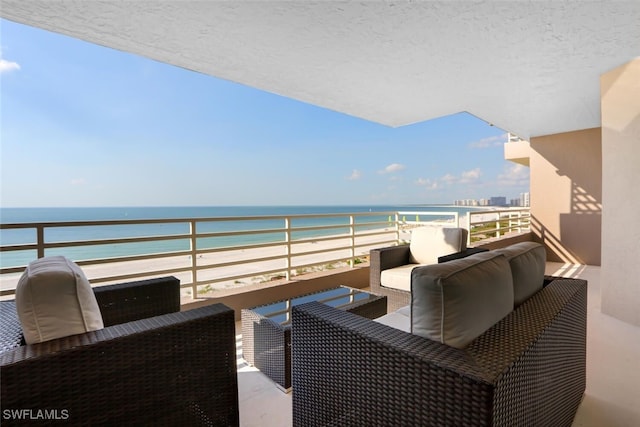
point(529, 369)
point(394, 256)
point(150, 365)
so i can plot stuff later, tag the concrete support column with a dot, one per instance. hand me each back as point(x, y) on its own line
point(620, 105)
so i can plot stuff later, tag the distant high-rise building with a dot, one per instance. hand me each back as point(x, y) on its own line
point(466, 202)
point(522, 200)
point(498, 201)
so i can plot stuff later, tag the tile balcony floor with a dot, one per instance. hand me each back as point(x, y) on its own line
point(612, 397)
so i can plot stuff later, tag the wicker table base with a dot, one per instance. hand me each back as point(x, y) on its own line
point(266, 329)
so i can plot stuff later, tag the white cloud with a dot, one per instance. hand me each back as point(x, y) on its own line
point(448, 179)
point(356, 174)
point(470, 176)
point(427, 183)
point(78, 181)
point(393, 167)
point(6, 66)
point(516, 174)
point(491, 141)
point(466, 177)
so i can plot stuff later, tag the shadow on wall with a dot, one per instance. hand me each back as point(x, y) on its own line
point(580, 239)
point(581, 228)
point(556, 250)
point(574, 158)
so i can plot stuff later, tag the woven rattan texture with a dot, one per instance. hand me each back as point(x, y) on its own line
point(383, 259)
point(529, 369)
point(174, 369)
point(266, 344)
point(10, 332)
point(137, 300)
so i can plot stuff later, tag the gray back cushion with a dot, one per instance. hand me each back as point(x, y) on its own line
point(527, 261)
point(455, 302)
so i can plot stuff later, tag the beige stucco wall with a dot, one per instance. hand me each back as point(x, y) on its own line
point(620, 96)
point(566, 195)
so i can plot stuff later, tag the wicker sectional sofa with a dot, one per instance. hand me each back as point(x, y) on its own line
point(528, 369)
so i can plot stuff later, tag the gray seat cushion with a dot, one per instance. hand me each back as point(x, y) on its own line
point(455, 302)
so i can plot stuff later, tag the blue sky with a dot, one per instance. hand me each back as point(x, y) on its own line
point(84, 125)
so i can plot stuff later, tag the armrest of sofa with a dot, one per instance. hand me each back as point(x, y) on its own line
point(462, 254)
point(137, 300)
point(536, 356)
point(383, 259)
point(391, 256)
point(347, 368)
point(548, 279)
point(179, 368)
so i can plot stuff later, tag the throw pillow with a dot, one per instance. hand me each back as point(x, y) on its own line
point(54, 299)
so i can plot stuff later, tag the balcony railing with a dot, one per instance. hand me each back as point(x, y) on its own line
point(498, 223)
point(209, 254)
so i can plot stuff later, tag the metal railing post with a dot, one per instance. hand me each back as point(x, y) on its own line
point(469, 228)
point(352, 230)
point(519, 222)
point(287, 238)
point(193, 243)
point(40, 240)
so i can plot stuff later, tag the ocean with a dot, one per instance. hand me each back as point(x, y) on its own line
point(62, 234)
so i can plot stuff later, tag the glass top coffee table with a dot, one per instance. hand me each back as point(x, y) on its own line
point(266, 329)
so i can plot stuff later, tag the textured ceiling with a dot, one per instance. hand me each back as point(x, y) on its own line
point(531, 68)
